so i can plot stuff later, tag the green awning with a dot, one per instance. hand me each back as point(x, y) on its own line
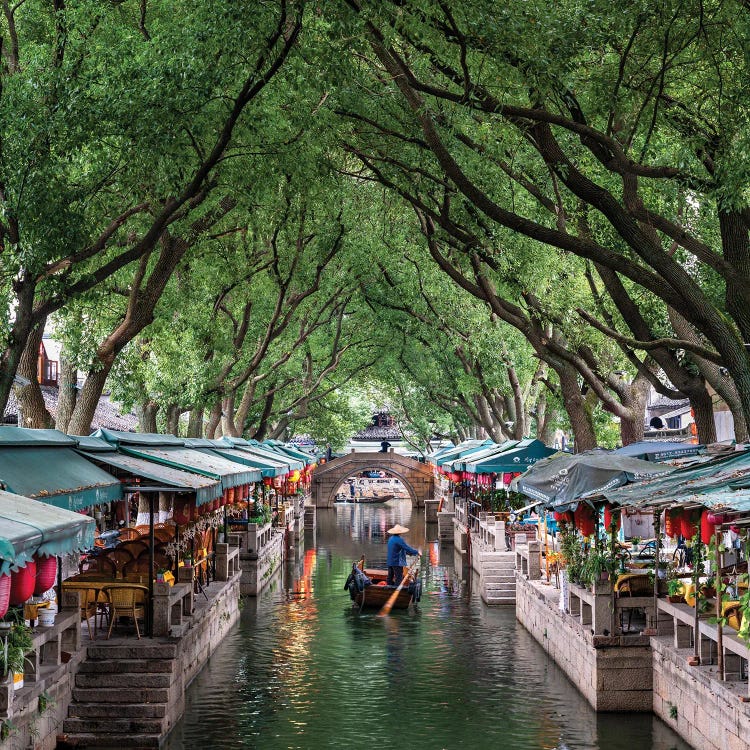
point(29, 528)
point(725, 474)
point(57, 476)
point(462, 462)
point(230, 473)
point(115, 437)
point(464, 449)
point(21, 436)
point(525, 454)
point(265, 466)
point(289, 451)
point(206, 489)
point(259, 455)
point(293, 464)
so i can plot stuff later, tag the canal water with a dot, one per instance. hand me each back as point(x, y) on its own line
point(304, 669)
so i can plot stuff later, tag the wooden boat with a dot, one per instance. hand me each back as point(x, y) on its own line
point(377, 592)
point(373, 499)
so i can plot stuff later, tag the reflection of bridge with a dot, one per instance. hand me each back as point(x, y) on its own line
point(415, 476)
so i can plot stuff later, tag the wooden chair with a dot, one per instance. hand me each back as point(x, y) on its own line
point(142, 529)
point(127, 534)
point(101, 565)
point(126, 601)
point(87, 602)
point(135, 547)
point(119, 558)
point(136, 570)
point(164, 535)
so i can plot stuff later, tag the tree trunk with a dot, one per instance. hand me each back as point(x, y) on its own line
point(214, 418)
point(88, 400)
point(146, 413)
point(703, 409)
point(31, 407)
point(173, 419)
point(16, 341)
point(577, 409)
point(67, 388)
point(227, 417)
point(195, 423)
point(635, 400)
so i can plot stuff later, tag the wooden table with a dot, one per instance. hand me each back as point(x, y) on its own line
point(73, 584)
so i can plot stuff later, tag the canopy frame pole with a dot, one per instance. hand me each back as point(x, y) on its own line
point(657, 560)
point(697, 563)
point(150, 623)
point(719, 613)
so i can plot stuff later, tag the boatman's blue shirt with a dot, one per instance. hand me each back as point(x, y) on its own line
point(397, 551)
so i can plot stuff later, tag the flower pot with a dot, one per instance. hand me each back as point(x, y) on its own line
point(693, 661)
point(46, 616)
point(676, 599)
point(17, 680)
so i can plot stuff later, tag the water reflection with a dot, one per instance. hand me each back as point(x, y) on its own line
point(306, 670)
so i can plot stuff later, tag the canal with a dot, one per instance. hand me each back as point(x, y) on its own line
point(303, 669)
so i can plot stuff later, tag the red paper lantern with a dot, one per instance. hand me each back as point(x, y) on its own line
point(508, 478)
point(46, 572)
point(566, 517)
point(184, 510)
point(673, 522)
point(268, 481)
point(22, 583)
point(707, 526)
point(4, 594)
point(689, 524)
point(716, 518)
point(584, 519)
point(611, 512)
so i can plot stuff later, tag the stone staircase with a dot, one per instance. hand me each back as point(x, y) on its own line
point(123, 697)
point(497, 577)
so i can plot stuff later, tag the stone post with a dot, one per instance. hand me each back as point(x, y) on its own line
point(603, 614)
point(222, 562)
point(535, 567)
point(162, 612)
point(185, 575)
point(500, 535)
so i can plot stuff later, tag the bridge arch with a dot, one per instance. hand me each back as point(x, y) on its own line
point(415, 476)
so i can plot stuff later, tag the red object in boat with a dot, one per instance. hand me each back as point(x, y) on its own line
point(46, 572)
point(612, 512)
point(5, 581)
point(22, 583)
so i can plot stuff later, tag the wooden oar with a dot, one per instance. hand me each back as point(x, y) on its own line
point(388, 606)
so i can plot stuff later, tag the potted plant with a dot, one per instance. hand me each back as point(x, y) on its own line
point(674, 591)
point(17, 642)
point(597, 566)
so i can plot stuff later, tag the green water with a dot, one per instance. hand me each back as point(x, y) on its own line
point(303, 669)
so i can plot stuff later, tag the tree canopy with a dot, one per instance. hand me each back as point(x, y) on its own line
point(500, 220)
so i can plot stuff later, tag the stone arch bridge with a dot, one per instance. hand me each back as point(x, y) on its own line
point(415, 476)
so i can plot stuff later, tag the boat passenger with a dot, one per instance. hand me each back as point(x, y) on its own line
point(397, 551)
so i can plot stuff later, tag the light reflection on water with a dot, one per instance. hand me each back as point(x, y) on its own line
point(305, 670)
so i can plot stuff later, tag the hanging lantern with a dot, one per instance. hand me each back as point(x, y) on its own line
point(673, 522)
point(294, 476)
point(278, 482)
point(268, 481)
point(46, 573)
point(22, 583)
point(5, 581)
point(584, 519)
point(707, 526)
point(184, 509)
point(611, 513)
point(689, 524)
point(566, 517)
point(716, 518)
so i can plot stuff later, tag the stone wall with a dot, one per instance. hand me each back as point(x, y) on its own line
point(613, 673)
point(258, 567)
point(708, 714)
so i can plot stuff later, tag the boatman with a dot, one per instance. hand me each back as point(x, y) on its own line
point(398, 549)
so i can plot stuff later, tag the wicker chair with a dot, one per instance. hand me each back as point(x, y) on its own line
point(87, 602)
point(119, 558)
point(135, 547)
point(101, 565)
point(126, 601)
point(127, 534)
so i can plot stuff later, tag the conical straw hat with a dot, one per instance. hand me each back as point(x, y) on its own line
point(398, 529)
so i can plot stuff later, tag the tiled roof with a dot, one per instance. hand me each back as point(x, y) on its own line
point(107, 415)
point(378, 433)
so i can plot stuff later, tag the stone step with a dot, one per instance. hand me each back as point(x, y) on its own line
point(109, 725)
point(136, 651)
point(124, 680)
point(95, 741)
point(505, 602)
point(115, 695)
point(494, 578)
point(165, 666)
point(124, 711)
